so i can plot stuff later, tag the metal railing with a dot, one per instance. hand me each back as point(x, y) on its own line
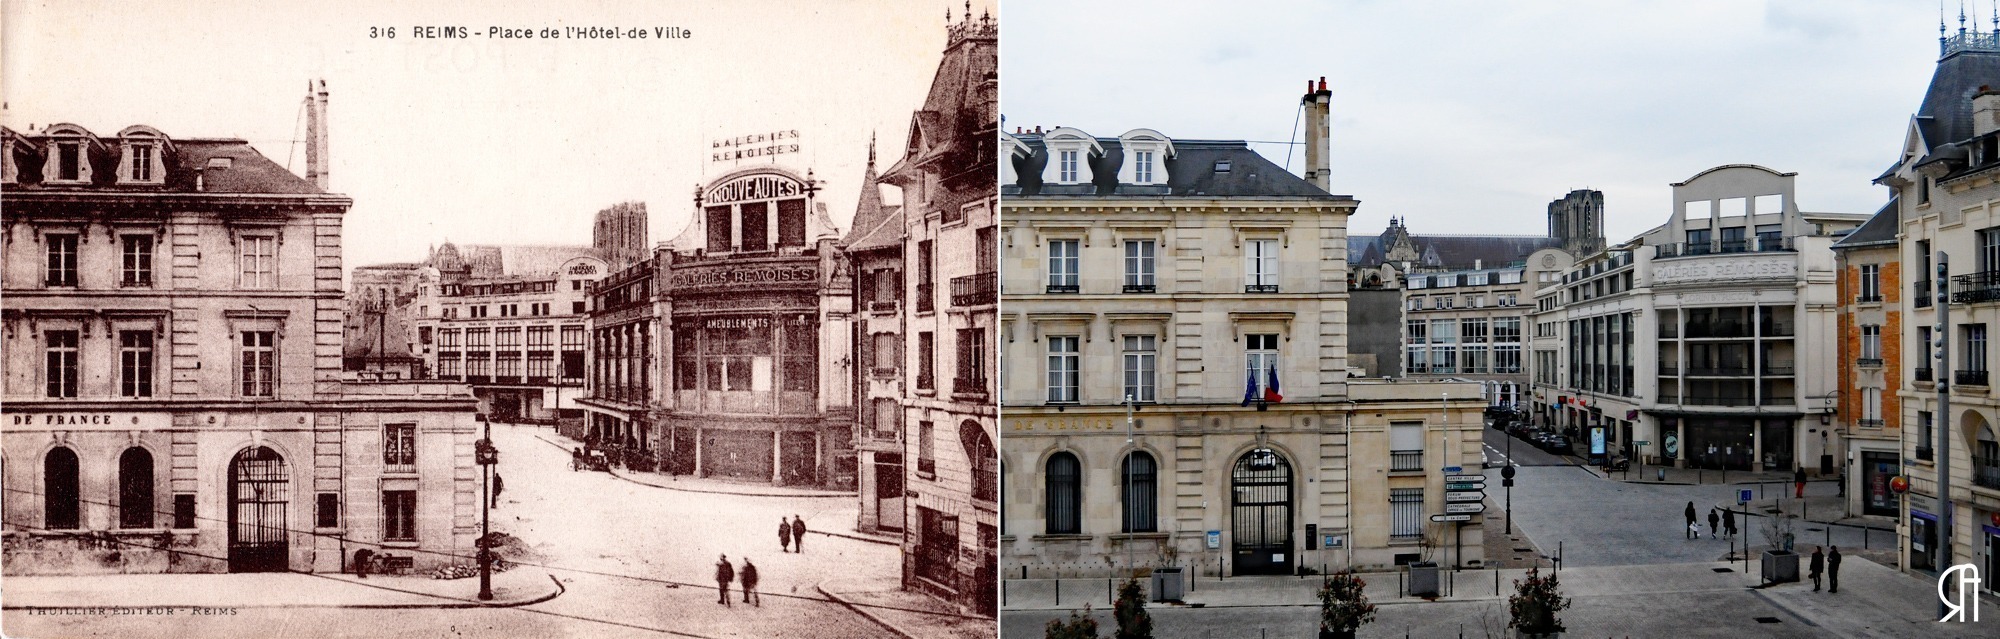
point(975, 289)
point(1260, 288)
point(1920, 293)
point(1061, 288)
point(1969, 378)
point(1870, 299)
point(1868, 362)
point(1140, 288)
point(1718, 329)
point(1926, 453)
point(1985, 471)
point(882, 306)
point(1869, 423)
point(1406, 460)
point(1923, 374)
point(1732, 246)
point(1719, 400)
point(1974, 288)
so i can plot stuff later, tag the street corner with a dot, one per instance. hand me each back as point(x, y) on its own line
point(511, 588)
point(907, 614)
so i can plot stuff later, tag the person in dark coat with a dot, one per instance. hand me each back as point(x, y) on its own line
point(1817, 566)
point(362, 558)
point(498, 485)
point(1689, 513)
point(1799, 480)
point(1833, 571)
point(1714, 522)
point(1729, 522)
point(725, 573)
point(798, 533)
point(784, 535)
point(750, 584)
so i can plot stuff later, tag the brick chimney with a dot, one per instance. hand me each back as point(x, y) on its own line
point(1985, 111)
point(317, 156)
point(1318, 104)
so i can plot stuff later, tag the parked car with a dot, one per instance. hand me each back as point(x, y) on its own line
point(1558, 444)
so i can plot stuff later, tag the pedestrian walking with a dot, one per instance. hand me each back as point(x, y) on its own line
point(1714, 523)
point(1693, 531)
point(1729, 522)
point(1799, 480)
point(750, 584)
point(799, 534)
point(1817, 566)
point(725, 573)
point(1833, 571)
point(498, 485)
point(362, 558)
point(784, 534)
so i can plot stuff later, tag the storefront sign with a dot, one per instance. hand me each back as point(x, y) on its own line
point(799, 275)
point(1761, 267)
point(84, 420)
point(755, 145)
point(750, 188)
point(722, 323)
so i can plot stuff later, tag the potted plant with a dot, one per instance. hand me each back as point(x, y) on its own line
point(1343, 606)
point(1424, 580)
point(1077, 627)
point(1779, 563)
point(1533, 606)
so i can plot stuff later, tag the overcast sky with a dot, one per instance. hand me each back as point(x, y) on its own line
point(1470, 117)
point(481, 140)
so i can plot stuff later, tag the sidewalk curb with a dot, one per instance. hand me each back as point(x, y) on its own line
point(743, 493)
point(905, 634)
point(559, 591)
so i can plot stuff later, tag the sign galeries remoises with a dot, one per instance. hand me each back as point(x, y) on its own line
point(755, 145)
point(762, 275)
point(1783, 266)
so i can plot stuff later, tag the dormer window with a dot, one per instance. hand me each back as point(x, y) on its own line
point(141, 158)
point(1069, 152)
point(1067, 173)
point(68, 153)
point(142, 163)
point(69, 161)
point(1142, 167)
point(1145, 150)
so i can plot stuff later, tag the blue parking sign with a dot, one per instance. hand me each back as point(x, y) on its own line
point(1742, 496)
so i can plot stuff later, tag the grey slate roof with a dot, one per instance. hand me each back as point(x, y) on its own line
point(1880, 229)
point(1945, 116)
point(1455, 252)
point(1191, 172)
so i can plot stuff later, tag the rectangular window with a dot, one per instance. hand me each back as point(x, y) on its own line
point(135, 363)
point(1142, 167)
point(138, 261)
point(926, 361)
point(541, 338)
point(1871, 407)
point(1140, 361)
point(971, 361)
point(399, 447)
point(541, 366)
point(1406, 511)
point(69, 161)
point(1975, 348)
point(1989, 250)
point(1871, 283)
point(1260, 268)
point(258, 257)
point(142, 163)
point(1871, 342)
point(259, 363)
point(399, 515)
point(62, 259)
point(1063, 369)
point(1925, 435)
point(927, 449)
point(1063, 266)
point(507, 338)
point(1260, 361)
point(576, 308)
point(1066, 167)
point(60, 370)
point(326, 513)
point(1414, 304)
point(756, 226)
point(1139, 264)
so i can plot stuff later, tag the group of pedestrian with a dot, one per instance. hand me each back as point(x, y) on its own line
point(1720, 522)
point(791, 538)
point(792, 534)
point(1830, 564)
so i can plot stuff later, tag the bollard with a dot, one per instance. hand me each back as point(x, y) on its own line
point(1024, 571)
point(1663, 474)
point(1864, 536)
point(1829, 536)
point(1058, 591)
point(1399, 584)
point(1107, 592)
point(1496, 582)
point(1003, 592)
point(1451, 584)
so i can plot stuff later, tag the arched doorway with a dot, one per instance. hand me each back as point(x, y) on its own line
point(1261, 510)
point(259, 489)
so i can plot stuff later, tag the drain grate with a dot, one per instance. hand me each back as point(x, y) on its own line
point(1769, 620)
point(1724, 569)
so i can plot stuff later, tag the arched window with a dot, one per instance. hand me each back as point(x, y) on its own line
point(985, 460)
point(59, 491)
point(1065, 495)
point(135, 488)
point(1141, 479)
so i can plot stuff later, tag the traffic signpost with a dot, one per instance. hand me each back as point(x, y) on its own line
point(1457, 517)
point(1465, 508)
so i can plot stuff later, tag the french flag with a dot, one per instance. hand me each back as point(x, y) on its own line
point(1271, 389)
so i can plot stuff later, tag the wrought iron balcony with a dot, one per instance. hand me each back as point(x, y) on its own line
point(1920, 293)
point(1969, 378)
point(1061, 288)
point(1406, 460)
point(1670, 368)
point(1976, 288)
point(882, 306)
point(1923, 374)
point(1870, 299)
point(1141, 288)
point(1732, 246)
point(1868, 362)
point(975, 289)
point(1986, 471)
point(1869, 423)
point(1720, 371)
point(1926, 453)
point(1260, 288)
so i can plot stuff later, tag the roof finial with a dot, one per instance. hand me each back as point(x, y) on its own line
point(871, 150)
point(1961, 17)
point(968, 10)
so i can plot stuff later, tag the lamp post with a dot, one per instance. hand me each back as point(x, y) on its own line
point(486, 456)
point(1944, 416)
point(1129, 450)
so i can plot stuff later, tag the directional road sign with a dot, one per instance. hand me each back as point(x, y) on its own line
point(1457, 517)
point(1472, 507)
point(1473, 497)
point(1454, 469)
point(1466, 486)
point(1458, 478)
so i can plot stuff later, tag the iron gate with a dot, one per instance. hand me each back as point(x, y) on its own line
point(1261, 507)
point(259, 489)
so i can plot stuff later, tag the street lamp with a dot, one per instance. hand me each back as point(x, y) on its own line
point(1129, 450)
point(486, 455)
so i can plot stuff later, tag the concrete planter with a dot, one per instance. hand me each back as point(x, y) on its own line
point(1780, 566)
point(1424, 579)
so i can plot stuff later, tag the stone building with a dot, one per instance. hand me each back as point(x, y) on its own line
point(950, 265)
point(1471, 325)
point(1208, 286)
point(172, 370)
point(511, 321)
point(1873, 306)
point(1697, 337)
point(1948, 208)
point(873, 248)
